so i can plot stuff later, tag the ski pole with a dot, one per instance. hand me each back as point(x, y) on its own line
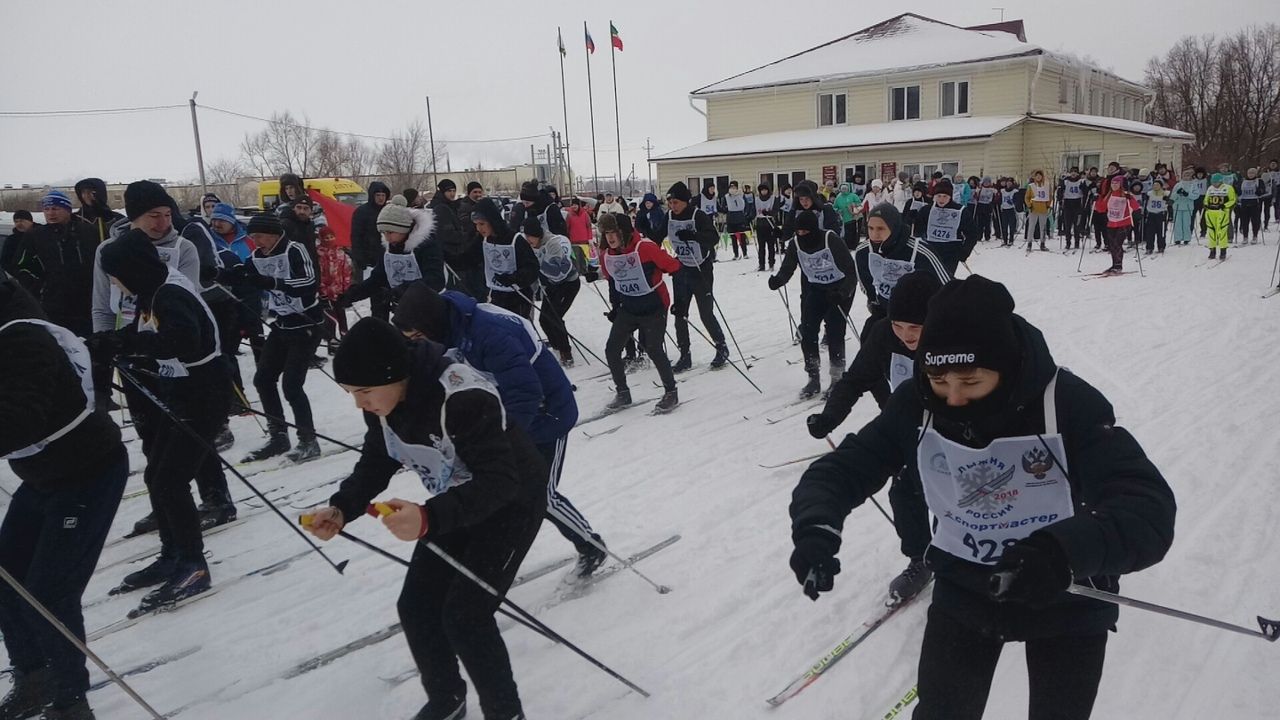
point(965, 263)
point(1277, 264)
point(576, 341)
point(729, 328)
point(731, 362)
point(244, 402)
point(1270, 629)
point(339, 567)
point(782, 293)
point(872, 498)
point(381, 509)
point(662, 589)
point(849, 323)
point(80, 645)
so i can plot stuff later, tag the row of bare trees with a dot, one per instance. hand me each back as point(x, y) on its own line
point(289, 144)
point(1224, 90)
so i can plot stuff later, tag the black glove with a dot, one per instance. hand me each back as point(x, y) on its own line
point(105, 346)
point(814, 560)
point(343, 300)
point(687, 235)
point(507, 279)
point(612, 314)
point(775, 282)
point(1033, 571)
point(591, 274)
point(233, 275)
point(262, 282)
point(820, 425)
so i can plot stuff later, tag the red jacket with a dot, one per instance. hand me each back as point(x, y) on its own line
point(335, 270)
point(1129, 208)
point(656, 261)
point(579, 223)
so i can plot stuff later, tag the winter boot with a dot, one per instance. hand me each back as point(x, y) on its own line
point(214, 514)
point(225, 439)
point(813, 387)
point(76, 710)
point(566, 358)
point(666, 403)
point(1213, 253)
point(684, 363)
point(160, 570)
point(590, 558)
point(836, 371)
point(1043, 247)
point(1223, 254)
point(453, 707)
point(721, 358)
point(187, 580)
point(911, 581)
point(277, 444)
point(621, 400)
point(147, 524)
point(30, 693)
point(307, 449)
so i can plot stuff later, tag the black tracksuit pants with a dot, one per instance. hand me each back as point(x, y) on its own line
point(653, 328)
point(766, 243)
point(513, 302)
point(957, 664)
point(986, 214)
point(695, 284)
point(556, 301)
point(910, 515)
point(1249, 215)
point(571, 523)
point(50, 542)
point(286, 356)
point(447, 617)
point(1070, 221)
point(1153, 230)
point(1008, 225)
point(818, 307)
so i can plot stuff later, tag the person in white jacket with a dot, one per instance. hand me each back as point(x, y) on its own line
point(611, 204)
point(876, 195)
point(900, 189)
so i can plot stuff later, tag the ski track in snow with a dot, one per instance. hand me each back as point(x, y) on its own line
point(1185, 355)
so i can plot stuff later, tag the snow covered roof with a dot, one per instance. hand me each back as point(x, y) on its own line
point(906, 42)
point(850, 136)
point(1117, 124)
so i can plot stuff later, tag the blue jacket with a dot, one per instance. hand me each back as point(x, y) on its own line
point(535, 391)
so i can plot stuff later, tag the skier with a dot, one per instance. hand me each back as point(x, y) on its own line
point(444, 420)
point(884, 361)
point(173, 350)
point(284, 269)
point(634, 266)
point(692, 235)
point(985, 197)
point(768, 218)
point(888, 253)
point(808, 198)
point(707, 201)
point(1012, 203)
point(1072, 190)
point(1153, 216)
point(1136, 231)
point(995, 428)
point(559, 285)
point(72, 466)
point(510, 265)
point(737, 222)
point(411, 251)
point(1184, 199)
point(1039, 202)
point(1272, 178)
point(915, 204)
point(1249, 204)
point(828, 282)
point(947, 227)
point(1117, 206)
point(1202, 186)
point(1219, 199)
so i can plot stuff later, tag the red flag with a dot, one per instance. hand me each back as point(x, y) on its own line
point(614, 37)
point(337, 214)
point(591, 44)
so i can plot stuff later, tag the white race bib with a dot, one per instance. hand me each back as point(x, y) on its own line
point(78, 355)
point(498, 260)
point(820, 267)
point(944, 225)
point(688, 253)
point(400, 269)
point(1117, 208)
point(900, 369)
point(277, 266)
point(627, 273)
point(886, 272)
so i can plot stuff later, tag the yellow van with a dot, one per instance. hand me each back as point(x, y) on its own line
point(340, 189)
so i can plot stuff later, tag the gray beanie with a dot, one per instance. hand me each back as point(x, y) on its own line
point(395, 216)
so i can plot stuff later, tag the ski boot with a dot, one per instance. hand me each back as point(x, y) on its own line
point(666, 403)
point(721, 358)
point(160, 570)
point(277, 444)
point(76, 710)
point(214, 514)
point(1043, 247)
point(186, 581)
point(811, 388)
point(30, 693)
point(566, 359)
point(307, 449)
point(911, 581)
point(1213, 253)
point(224, 440)
point(453, 707)
point(836, 372)
point(1223, 254)
point(683, 363)
point(590, 558)
point(147, 524)
point(621, 400)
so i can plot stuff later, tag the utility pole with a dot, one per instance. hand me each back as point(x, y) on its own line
point(549, 158)
point(195, 129)
point(648, 160)
point(533, 162)
point(435, 175)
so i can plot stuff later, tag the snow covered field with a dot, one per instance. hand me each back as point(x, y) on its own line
point(1186, 354)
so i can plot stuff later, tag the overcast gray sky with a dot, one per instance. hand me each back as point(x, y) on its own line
point(490, 67)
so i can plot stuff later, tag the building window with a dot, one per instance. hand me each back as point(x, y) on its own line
point(777, 180)
point(1082, 160)
point(832, 109)
point(955, 98)
point(851, 170)
point(926, 170)
point(904, 103)
point(1078, 100)
point(720, 181)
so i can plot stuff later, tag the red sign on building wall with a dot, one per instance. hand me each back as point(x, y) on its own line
point(888, 171)
point(828, 174)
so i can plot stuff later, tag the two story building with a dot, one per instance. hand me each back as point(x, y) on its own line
point(918, 95)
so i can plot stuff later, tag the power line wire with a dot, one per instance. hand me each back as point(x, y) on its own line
point(97, 111)
point(359, 135)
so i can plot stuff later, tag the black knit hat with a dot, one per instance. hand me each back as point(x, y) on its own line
point(266, 223)
point(531, 227)
point(909, 302)
point(373, 353)
point(21, 214)
point(944, 187)
point(529, 191)
point(970, 322)
point(888, 212)
point(680, 192)
point(133, 260)
point(921, 187)
point(423, 310)
point(806, 220)
point(446, 185)
point(473, 185)
point(142, 197)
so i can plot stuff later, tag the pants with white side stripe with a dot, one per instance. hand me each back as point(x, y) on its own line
point(571, 524)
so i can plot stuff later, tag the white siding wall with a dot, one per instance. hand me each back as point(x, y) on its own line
point(1044, 144)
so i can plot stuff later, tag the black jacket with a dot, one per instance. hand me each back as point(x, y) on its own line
point(869, 371)
point(811, 243)
point(951, 253)
point(303, 283)
point(1124, 509)
point(55, 263)
point(899, 246)
point(423, 244)
point(505, 466)
point(40, 393)
point(704, 229)
point(300, 231)
point(366, 241)
point(99, 214)
point(11, 250)
point(453, 240)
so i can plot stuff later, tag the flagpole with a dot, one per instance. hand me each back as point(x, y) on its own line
point(617, 123)
point(591, 106)
point(564, 104)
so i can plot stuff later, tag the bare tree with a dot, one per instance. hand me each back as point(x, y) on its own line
point(405, 159)
point(225, 171)
point(285, 145)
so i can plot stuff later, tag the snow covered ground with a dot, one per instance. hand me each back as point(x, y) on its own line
point(1187, 355)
